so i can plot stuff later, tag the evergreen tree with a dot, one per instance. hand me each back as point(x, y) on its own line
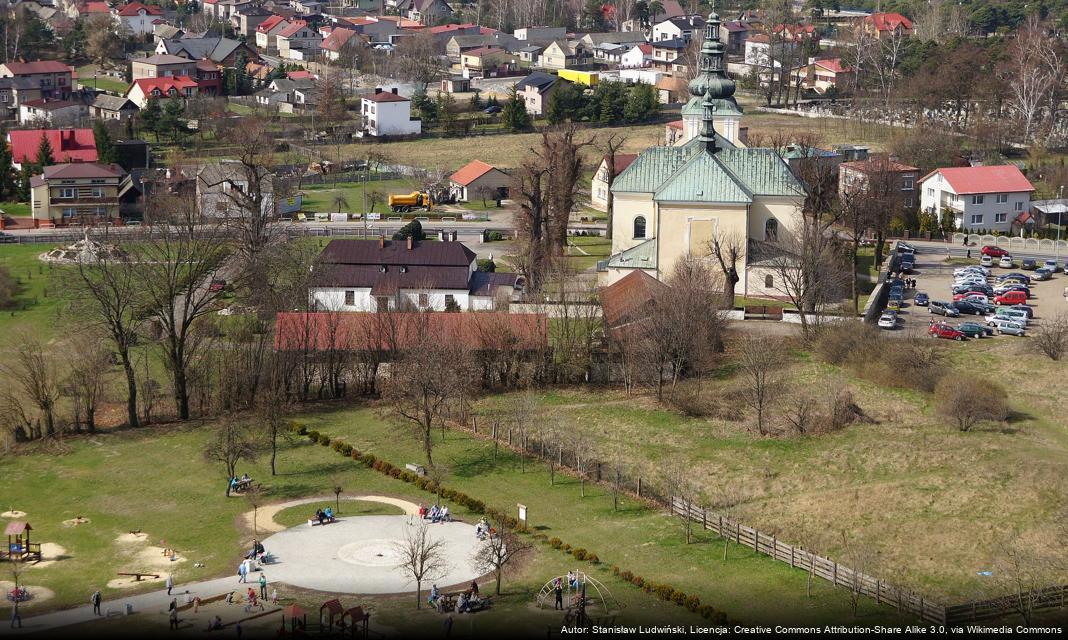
point(45, 156)
point(171, 120)
point(642, 103)
point(105, 146)
point(568, 102)
point(23, 187)
point(427, 108)
point(150, 117)
point(241, 77)
point(446, 109)
point(514, 116)
point(7, 175)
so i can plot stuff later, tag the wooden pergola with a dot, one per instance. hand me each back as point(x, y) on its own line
point(18, 545)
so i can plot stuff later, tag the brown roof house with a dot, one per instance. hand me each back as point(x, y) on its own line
point(380, 275)
point(477, 180)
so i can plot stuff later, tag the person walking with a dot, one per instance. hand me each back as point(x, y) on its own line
point(16, 619)
point(170, 583)
point(263, 586)
point(95, 599)
point(242, 570)
point(174, 619)
point(559, 591)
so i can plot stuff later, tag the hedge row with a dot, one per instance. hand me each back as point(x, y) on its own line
point(663, 591)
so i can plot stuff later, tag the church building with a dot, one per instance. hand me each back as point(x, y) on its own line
point(672, 200)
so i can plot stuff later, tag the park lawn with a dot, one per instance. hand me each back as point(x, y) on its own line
point(105, 83)
point(636, 538)
point(16, 209)
point(933, 504)
point(584, 252)
point(299, 514)
point(39, 301)
point(320, 198)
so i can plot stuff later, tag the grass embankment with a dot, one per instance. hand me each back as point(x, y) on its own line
point(38, 302)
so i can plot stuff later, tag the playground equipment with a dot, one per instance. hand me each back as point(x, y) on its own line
point(18, 545)
point(584, 592)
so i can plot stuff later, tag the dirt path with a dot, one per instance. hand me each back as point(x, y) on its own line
point(265, 515)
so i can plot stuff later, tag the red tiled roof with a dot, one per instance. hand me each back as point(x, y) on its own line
point(50, 103)
point(484, 331)
point(888, 21)
point(448, 28)
point(178, 83)
point(134, 8)
point(470, 172)
point(269, 23)
point(206, 65)
point(95, 7)
point(337, 39)
point(38, 66)
point(1006, 178)
point(68, 145)
point(623, 160)
point(83, 170)
point(834, 65)
point(292, 29)
point(645, 48)
point(623, 301)
point(385, 96)
point(675, 124)
point(300, 75)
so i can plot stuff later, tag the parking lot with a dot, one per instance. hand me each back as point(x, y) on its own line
point(933, 273)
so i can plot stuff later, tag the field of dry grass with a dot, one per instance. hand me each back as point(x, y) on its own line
point(933, 506)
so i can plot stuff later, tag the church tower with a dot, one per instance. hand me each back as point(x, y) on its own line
point(712, 82)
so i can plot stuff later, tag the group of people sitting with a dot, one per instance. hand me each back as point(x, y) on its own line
point(257, 553)
point(483, 530)
point(435, 513)
point(467, 602)
point(324, 515)
point(237, 484)
point(18, 594)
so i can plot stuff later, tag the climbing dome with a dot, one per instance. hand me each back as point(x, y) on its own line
point(597, 594)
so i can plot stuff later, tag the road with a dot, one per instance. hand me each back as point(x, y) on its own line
point(1013, 246)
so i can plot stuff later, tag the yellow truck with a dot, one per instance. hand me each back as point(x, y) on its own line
point(587, 78)
point(404, 202)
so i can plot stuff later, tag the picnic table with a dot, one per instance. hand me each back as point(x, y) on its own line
point(138, 575)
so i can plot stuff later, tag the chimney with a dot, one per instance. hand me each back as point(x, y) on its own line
point(381, 242)
point(394, 90)
point(409, 243)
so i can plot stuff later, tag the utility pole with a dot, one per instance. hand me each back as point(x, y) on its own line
point(1060, 212)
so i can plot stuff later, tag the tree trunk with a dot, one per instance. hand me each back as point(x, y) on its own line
point(131, 388)
point(274, 448)
point(856, 276)
point(418, 594)
point(428, 446)
point(181, 393)
point(498, 592)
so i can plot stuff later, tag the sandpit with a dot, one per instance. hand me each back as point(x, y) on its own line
point(130, 538)
point(14, 513)
point(50, 554)
point(74, 522)
point(39, 593)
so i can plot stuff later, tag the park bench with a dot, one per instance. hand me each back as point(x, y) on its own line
point(242, 485)
point(137, 576)
point(315, 521)
point(417, 468)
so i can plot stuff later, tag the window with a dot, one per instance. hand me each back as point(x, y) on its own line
point(1002, 198)
point(908, 203)
point(908, 183)
point(69, 212)
point(769, 282)
point(930, 192)
point(68, 192)
point(350, 298)
point(1001, 217)
point(382, 303)
point(978, 199)
point(639, 227)
point(1019, 206)
point(98, 192)
point(450, 301)
point(977, 218)
point(771, 230)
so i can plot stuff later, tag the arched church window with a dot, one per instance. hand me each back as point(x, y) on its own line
point(639, 227)
point(771, 230)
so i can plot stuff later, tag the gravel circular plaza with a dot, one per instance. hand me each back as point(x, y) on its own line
point(359, 555)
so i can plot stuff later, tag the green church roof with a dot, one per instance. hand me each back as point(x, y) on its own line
point(703, 179)
point(641, 256)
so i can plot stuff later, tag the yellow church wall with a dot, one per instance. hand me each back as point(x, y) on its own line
point(625, 208)
point(686, 229)
point(786, 211)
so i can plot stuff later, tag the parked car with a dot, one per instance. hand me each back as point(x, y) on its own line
point(1029, 264)
point(907, 264)
point(1006, 262)
point(904, 247)
point(888, 320)
point(943, 330)
point(971, 295)
point(894, 304)
point(217, 286)
point(492, 109)
point(978, 270)
point(986, 290)
point(1015, 315)
point(921, 299)
point(1006, 288)
point(1026, 309)
point(1049, 264)
point(1015, 275)
point(1043, 274)
point(1011, 298)
point(947, 309)
point(974, 307)
point(986, 261)
point(993, 251)
point(1008, 327)
point(975, 330)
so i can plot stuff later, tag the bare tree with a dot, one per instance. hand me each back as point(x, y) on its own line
point(524, 411)
point(681, 487)
point(970, 399)
point(32, 370)
point(337, 487)
point(87, 377)
point(1051, 338)
point(806, 269)
point(231, 444)
point(1022, 578)
point(421, 557)
point(610, 145)
point(418, 59)
point(254, 495)
point(500, 550)
point(1033, 70)
point(760, 365)
point(727, 249)
point(582, 448)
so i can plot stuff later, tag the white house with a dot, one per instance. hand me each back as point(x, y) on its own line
point(374, 275)
point(138, 18)
point(682, 27)
point(640, 55)
point(386, 113)
point(978, 198)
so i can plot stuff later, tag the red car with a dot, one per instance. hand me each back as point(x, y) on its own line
point(941, 330)
point(994, 252)
point(1011, 297)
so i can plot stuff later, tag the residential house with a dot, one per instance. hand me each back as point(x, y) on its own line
point(109, 107)
point(76, 193)
point(299, 41)
point(682, 28)
point(478, 180)
point(386, 113)
point(734, 33)
point(639, 55)
point(824, 75)
point(455, 84)
point(667, 53)
point(486, 59)
point(528, 53)
point(380, 275)
point(882, 177)
point(137, 18)
point(334, 45)
point(307, 8)
point(457, 45)
point(287, 95)
point(671, 201)
point(561, 54)
point(443, 33)
point(425, 12)
point(141, 91)
point(795, 32)
point(166, 31)
point(206, 73)
point(669, 9)
point(540, 35)
point(762, 54)
point(671, 89)
point(51, 78)
point(591, 40)
point(375, 30)
point(1048, 212)
point(883, 25)
point(268, 30)
point(815, 161)
point(976, 198)
point(223, 9)
point(599, 183)
point(221, 51)
point(53, 112)
point(610, 52)
point(535, 91)
point(246, 20)
point(227, 189)
point(68, 145)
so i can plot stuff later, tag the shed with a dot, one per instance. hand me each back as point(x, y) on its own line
point(477, 180)
point(456, 84)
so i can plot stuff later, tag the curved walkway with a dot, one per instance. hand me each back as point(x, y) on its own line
point(265, 515)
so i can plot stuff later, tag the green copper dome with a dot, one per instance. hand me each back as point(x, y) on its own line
point(712, 80)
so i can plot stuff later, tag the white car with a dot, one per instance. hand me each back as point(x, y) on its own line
point(888, 321)
point(983, 271)
point(986, 261)
point(1006, 262)
point(977, 297)
point(1014, 315)
point(1051, 265)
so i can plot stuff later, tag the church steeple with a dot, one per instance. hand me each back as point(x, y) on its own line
point(712, 80)
point(708, 129)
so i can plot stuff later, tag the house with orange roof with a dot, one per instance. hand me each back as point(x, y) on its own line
point(821, 75)
point(141, 91)
point(485, 59)
point(136, 17)
point(476, 179)
point(299, 41)
point(977, 198)
point(882, 25)
point(268, 30)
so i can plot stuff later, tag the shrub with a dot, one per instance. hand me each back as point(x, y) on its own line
point(555, 543)
point(706, 610)
point(970, 399)
point(593, 559)
point(413, 229)
point(369, 460)
point(566, 548)
point(692, 603)
point(627, 576)
point(580, 553)
point(678, 597)
point(615, 570)
point(356, 455)
point(324, 440)
point(1051, 338)
point(313, 435)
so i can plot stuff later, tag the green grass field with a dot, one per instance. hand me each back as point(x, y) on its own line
point(583, 252)
point(16, 209)
point(39, 301)
point(106, 83)
point(320, 198)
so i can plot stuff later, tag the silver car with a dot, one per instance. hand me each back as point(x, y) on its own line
point(1005, 326)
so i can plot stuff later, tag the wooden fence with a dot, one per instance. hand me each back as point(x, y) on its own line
point(825, 568)
point(1034, 601)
